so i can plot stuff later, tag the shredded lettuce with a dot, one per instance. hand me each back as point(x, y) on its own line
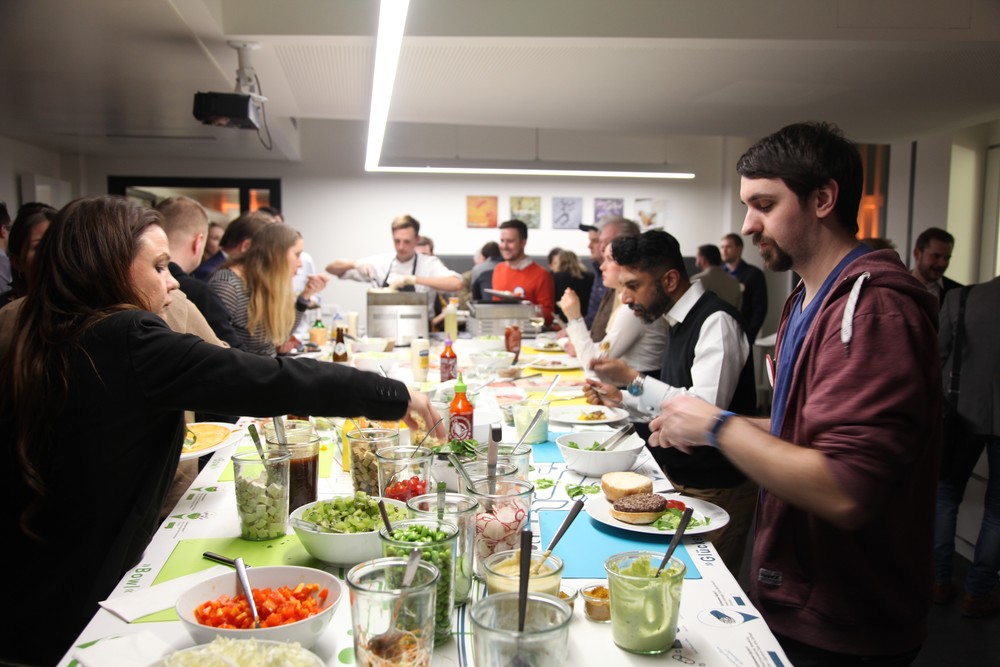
point(228, 652)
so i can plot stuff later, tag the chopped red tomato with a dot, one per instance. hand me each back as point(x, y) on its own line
point(274, 607)
point(676, 505)
point(406, 489)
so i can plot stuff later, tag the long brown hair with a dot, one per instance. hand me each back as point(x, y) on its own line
point(80, 275)
point(268, 280)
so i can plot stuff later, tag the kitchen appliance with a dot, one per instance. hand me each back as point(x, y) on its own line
point(400, 316)
point(492, 318)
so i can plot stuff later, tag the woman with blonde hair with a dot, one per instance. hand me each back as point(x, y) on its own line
point(629, 338)
point(256, 289)
point(91, 415)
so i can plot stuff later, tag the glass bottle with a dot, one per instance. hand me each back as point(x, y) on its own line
point(460, 410)
point(449, 362)
point(340, 348)
point(451, 318)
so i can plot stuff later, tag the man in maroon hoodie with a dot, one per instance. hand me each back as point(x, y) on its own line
point(848, 461)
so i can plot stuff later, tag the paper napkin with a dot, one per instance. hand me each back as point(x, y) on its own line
point(156, 598)
point(139, 648)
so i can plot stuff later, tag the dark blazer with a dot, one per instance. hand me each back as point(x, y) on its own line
point(205, 299)
point(209, 266)
point(947, 284)
point(112, 447)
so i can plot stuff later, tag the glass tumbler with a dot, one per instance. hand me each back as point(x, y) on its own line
point(497, 642)
point(303, 476)
point(437, 542)
point(477, 470)
point(460, 510)
point(644, 607)
point(503, 572)
point(392, 625)
point(502, 515)
point(362, 445)
point(524, 412)
point(262, 493)
point(403, 472)
point(516, 455)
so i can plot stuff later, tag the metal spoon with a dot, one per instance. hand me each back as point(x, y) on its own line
point(279, 431)
point(385, 516)
point(241, 574)
point(534, 420)
point(453, 459)
point(552, 386)
point(315, 527)
point(256, 440)
point(219, 558)
point(429, 431)
point(573, 512)
point(382, 645)
point(678, 534)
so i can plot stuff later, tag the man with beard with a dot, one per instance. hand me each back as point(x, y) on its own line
point(707, 355)
point(848, 461)
point(931, 256)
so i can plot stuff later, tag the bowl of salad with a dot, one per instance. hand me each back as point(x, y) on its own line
point(490, 343)
point(295, 604)
point(343, 530)
point(579, 451)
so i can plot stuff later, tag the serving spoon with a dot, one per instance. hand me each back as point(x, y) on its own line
point(383, 645)
point(678, 534)
point(573, 512)
point(241, 574)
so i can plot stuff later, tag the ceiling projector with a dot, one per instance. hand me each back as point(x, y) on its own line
point(242, 109)
point(238, 110)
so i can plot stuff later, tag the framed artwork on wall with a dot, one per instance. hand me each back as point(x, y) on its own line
point(528, 210)
point(608, 206)
point(480, 211)
point(567, 212)
point(651, 213)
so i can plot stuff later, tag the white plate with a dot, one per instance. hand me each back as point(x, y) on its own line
point(570, 414)
point(500, 294)
point(318, 661)
point(545, 345)
point(235, 433)
point(597, 507)
point(549, 363)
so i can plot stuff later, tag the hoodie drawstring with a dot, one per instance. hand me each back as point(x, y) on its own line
point(847, 323)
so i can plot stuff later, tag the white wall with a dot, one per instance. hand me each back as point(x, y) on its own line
point(17, 159)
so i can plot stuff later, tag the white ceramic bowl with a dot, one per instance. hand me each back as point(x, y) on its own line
point(347, 549)
point(366, 344)
point(306, 632)
point(370, 361)
point(595, 464)
point(490, 343)
point(492, 360)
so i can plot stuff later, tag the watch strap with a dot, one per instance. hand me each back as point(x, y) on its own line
point(720, 421)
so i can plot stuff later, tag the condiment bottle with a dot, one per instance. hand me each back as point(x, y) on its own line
point(317, 333)
point(451, 318)
point(340, 348)
point(512, 340)
point(449, 362)
point(460, 411)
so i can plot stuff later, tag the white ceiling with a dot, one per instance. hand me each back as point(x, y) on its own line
point(117, 77)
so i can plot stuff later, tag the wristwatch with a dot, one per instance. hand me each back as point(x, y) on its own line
point(635, 386)
point(720, 421)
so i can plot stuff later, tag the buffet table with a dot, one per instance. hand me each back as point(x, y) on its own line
point(718, 625)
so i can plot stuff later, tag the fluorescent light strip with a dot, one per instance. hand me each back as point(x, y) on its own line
point(391, 21)
point(574, 173)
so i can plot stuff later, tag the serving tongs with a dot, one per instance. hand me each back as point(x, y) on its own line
point(618, 438)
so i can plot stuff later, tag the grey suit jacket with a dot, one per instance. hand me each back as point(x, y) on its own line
point(979, 391)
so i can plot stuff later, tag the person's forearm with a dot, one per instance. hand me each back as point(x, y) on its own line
point(340, 267)
point(799, 475)
point(440, 283)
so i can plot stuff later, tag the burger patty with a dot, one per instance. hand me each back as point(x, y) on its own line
point(641, 502)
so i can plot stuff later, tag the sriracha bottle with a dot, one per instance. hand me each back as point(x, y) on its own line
point(449, 362)
point(460, 413)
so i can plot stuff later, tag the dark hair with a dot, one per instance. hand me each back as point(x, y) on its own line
point(735, 238)
point(29, 216)
point(710, 253)
point(490, 250)
point(270, 210)
point(406, 222)
point(4, 215)
point(243, 228)
point(933, 234)
point(522, 229)
point(877, 243)
point(807, 156)
point(81, 275)
point(553, 253)
point(654, 251)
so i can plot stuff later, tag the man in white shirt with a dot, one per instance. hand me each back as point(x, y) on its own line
point(405, 270)
point(707, 355)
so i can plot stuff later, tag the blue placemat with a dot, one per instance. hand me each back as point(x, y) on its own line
point(547, 452)
point(588, 543)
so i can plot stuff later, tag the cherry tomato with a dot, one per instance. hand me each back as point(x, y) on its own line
point(676, 505)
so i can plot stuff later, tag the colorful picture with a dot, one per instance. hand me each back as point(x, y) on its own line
point(608, 206)
point(480, 211)
point(651, 213)
point(567, 212)
point(528, 210)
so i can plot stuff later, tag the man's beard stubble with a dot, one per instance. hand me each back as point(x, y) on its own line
point(657, 309)
point(775, 258)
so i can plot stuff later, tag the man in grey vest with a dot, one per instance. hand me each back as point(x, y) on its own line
point(707, 355)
